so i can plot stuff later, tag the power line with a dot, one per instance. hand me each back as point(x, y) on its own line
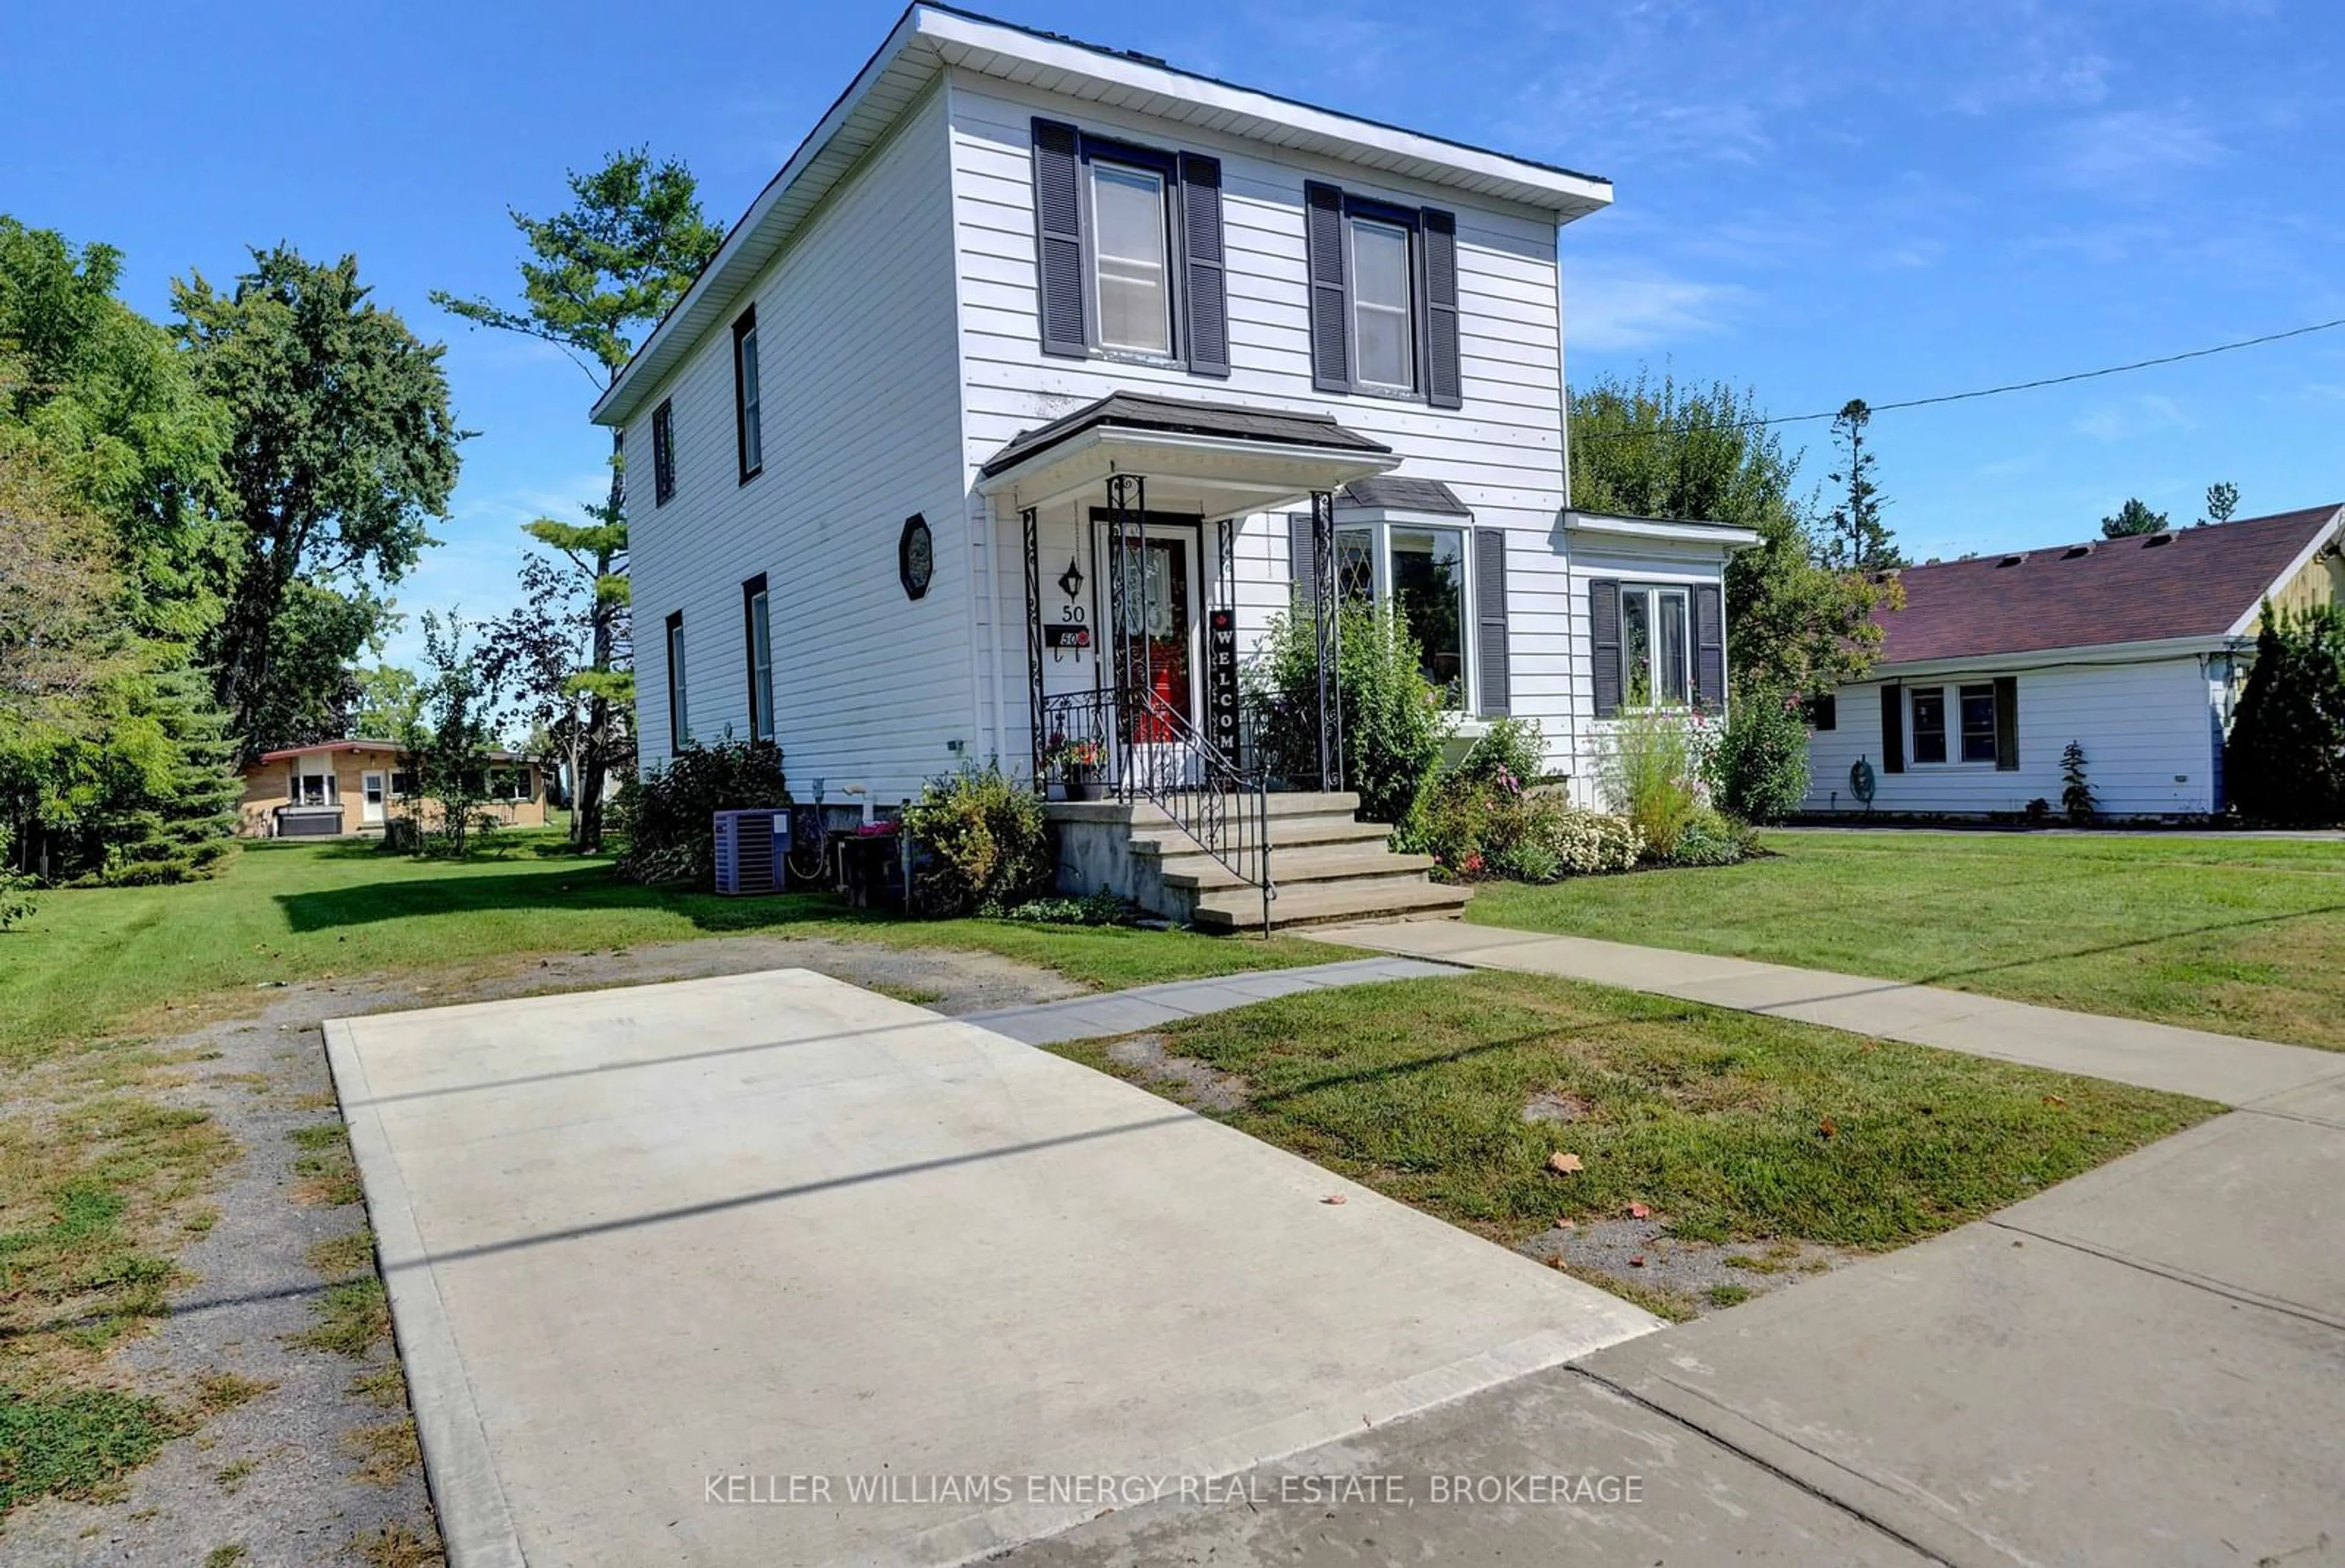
point(2007, 387)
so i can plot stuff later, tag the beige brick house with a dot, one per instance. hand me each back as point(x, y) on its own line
point(355, 786)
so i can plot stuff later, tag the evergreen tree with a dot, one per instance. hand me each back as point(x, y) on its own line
point(1860, 539)
point(2222, 500)
point(2134, 517)
point(2285, 760)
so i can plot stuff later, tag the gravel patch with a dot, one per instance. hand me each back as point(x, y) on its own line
point(1190, 1081)
point(307, 1470)
point(1697, 1276)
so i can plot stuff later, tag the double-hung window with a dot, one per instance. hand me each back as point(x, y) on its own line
point(1656, 647)
point(1384, 315)
point(757, 628)
point(1930, 724)
point(1978, 724)
point(748, 408)
point(679, 722)
point(1131, 259)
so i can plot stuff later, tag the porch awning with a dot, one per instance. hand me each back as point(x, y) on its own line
point(1220, 459)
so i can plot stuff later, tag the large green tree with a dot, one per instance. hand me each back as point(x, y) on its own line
point(598, 274)
point(342, 450)
point(113, 566)
point(1796, 624)
point(2134, 517)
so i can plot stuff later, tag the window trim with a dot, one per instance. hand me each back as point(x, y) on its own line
point(1379, 530)
point(744, 330)
point(303, 771)
point(1096, 320)
point(664, 452)
point(1949, 694)
point(1358, 210)
point(759, 653)
point(1653, 591)
point(679, 719)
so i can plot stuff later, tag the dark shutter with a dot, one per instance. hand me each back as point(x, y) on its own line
point(1204, 276)
point(1445, 386)
point(1604, 639)
point(1331, 312)
point(1302, 554)
point(1490, 619)
point(2007, 724)
point(1059, 238)
point(1710, 647)
point(1893, 729)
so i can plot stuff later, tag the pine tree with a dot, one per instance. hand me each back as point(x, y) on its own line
point(1860, 539)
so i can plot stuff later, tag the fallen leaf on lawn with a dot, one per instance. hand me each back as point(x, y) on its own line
point(1639, 1212)
point(1828, 1127)
point(1638, 1261)
point(2054, 1100)
point(1560, 1161)
point(1333, 1198)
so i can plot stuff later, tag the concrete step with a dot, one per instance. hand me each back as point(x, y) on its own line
point(1285, 833)
point(1315, 904)
point(1341, 863)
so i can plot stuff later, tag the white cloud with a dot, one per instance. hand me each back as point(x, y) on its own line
point(2125, 150)
point(2141, 416)
point(1605, 310)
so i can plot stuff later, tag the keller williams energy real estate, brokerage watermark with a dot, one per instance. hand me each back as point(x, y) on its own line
point(892, 1489)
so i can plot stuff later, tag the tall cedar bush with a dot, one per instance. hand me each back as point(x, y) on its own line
point(1760, 771)
point(1393, 722)
point(2285, 762)
point(670, 814)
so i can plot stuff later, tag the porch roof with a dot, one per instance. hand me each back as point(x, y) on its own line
point(1223, 459)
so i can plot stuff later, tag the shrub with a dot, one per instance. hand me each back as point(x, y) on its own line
point(669, 815)
point(1713, 838)
point(17, 902)
point(1512, 748)
point(1760, 771)
point(2075, 790)
point(985, 834)
point(1393, 719)
point(1651, 774)
point(2285, 761)
point(1100, 908)
point(1475, 827)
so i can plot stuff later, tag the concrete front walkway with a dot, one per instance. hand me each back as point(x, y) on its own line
point(676, 1271)
point(2223, 1067)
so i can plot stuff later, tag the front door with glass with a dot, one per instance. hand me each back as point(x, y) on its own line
point(1158, 639)
point(371, 810)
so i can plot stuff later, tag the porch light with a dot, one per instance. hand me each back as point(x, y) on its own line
point(1070, 581)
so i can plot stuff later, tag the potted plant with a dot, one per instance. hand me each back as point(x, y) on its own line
point(1078, 764)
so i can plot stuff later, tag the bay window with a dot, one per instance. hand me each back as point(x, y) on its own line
point(1421, 573)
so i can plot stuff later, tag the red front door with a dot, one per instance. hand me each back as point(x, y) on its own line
point(1156, 621)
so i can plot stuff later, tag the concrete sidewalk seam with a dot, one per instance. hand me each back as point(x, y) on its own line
point(2206, 1282)
point(1797, 1483)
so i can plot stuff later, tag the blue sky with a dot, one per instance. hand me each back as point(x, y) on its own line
point(1877, 200)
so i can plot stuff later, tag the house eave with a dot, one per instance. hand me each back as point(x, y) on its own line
point(2144, 651)
point(1215, 476)
point(929, 39)
point(1598, 525)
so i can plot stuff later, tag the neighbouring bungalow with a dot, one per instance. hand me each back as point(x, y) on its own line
point(2136, 649)
point(355, 786)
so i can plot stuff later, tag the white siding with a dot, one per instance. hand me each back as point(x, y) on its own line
point(1659, 562)
point(862, 425)
point(1502, 452)
point(2150, 733)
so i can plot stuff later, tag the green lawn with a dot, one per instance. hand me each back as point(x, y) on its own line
point(90, 959)
point(1732, 1126)
point(2241, 936)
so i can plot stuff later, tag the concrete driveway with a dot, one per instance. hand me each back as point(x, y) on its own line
point(679, 1271)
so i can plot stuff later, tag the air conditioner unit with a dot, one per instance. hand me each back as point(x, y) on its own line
point(750, 848)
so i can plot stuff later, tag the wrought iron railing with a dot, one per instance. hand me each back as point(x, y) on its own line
point(1155, 754)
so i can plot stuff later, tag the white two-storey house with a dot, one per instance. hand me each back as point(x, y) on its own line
point(1044, 376)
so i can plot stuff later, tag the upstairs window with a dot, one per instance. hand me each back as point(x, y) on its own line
point(1383, 316)
point(1131, 259)
point(663, 453)
point(747, 416)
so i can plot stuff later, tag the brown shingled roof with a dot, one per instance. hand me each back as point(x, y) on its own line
point(2188, 583)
